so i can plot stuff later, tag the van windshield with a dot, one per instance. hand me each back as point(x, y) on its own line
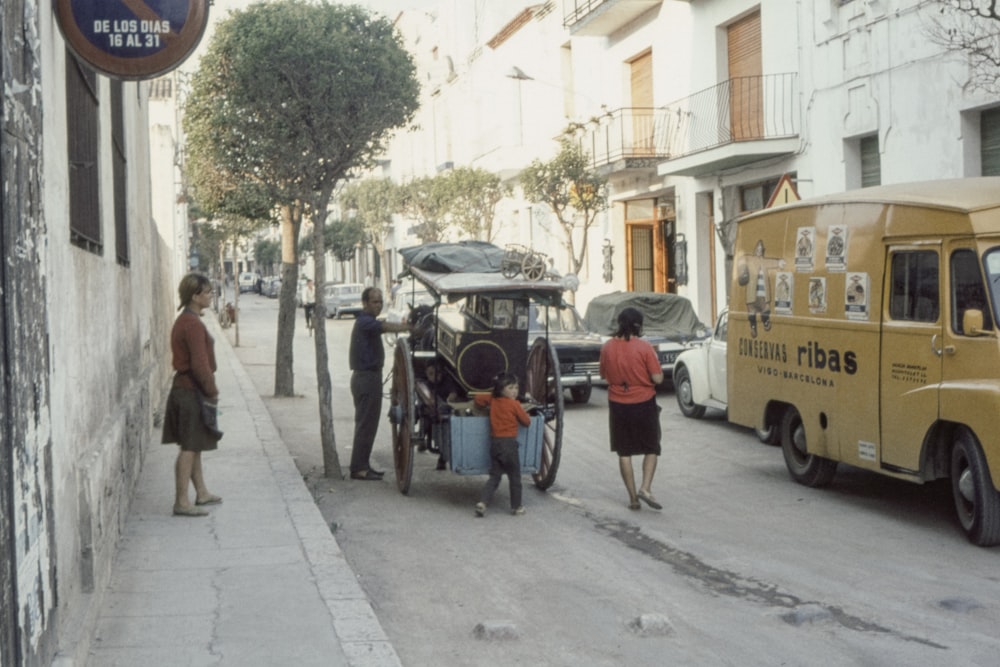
point(991, 263)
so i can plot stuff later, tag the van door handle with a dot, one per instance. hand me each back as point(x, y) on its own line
point(950, 349)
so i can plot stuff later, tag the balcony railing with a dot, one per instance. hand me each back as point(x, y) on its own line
point(743, 109)
point(602, 17)
point(622, 134)
point(749, 108)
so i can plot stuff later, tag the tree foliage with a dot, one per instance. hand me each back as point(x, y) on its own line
point(473, 195)
point(342, 239)
point(267, 253)
point(972, 27)
point(426, 200)
point(290, 96)
point(575, 194)
point(372, 202)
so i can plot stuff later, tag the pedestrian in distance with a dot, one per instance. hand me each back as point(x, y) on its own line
point(309, 304)
point(506, 414)
point(184, 422)
point(632, 370)
point(366, 358)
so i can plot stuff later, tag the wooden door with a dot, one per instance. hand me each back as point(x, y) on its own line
point(641, 76)
point(746, 113)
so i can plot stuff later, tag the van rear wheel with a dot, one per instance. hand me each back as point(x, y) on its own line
point(977, 502)
point(804, 468)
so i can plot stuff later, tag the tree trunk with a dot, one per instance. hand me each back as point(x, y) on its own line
point(284, 376)
point(236, 296)
point(324, 389)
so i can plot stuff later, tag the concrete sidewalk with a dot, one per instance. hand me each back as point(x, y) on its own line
point(261, 581)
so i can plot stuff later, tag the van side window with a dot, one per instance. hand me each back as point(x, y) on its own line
point(915, 296)
point(967, 289)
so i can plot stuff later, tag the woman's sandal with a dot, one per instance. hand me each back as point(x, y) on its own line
point(649, 500)
point(634, 505)
point(189, 511)
point(210, 499)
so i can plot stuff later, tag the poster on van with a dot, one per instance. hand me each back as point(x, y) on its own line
point(856, 296)
point(836, 249)
point(805, 249)
point(784, 284)
point(817, 295)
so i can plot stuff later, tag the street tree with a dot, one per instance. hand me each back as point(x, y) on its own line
point(372, 202)
point(575, 194)
point(972, 27)
point(295, 94)
point(236, 208)
point(426, 200)
point(342, 239)
point(473, 195)
point(267, 253)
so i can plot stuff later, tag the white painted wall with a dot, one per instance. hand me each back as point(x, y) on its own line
point(108, 330)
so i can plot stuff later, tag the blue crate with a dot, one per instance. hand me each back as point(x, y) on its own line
point(470, 444)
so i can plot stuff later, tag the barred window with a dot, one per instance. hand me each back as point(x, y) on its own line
point(119, 172)
point(82, 147)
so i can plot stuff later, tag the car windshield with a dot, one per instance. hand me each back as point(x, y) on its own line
point(560, 320)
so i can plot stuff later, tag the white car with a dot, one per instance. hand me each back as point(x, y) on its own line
point(700, 379)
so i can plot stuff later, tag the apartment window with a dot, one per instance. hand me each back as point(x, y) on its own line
point(162, 88)
point(871, 162)
point(755, 196)
point(82, 146)
point(989, 142)
point(119, 172)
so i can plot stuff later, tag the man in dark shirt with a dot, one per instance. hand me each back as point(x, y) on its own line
point(367, 356)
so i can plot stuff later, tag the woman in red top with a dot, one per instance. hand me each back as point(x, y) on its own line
point(632, 370)
point(194, 362)
point(506, 414)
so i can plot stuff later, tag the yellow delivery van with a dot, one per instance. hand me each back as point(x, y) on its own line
point(863, 326)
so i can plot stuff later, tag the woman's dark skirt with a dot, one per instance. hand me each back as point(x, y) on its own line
point(635, 427)
point(182, 422)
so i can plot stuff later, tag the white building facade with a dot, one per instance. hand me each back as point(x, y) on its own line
point(694, 110)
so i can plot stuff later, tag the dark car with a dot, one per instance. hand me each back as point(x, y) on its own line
point(578, 349)
point(272, 287)
point(669, 322)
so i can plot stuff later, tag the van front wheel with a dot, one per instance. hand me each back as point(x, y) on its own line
point(976, 500)
point(804, 468)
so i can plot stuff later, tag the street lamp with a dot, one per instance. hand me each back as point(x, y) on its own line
point(518, 75)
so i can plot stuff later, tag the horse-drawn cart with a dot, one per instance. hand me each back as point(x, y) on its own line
point(437, 375)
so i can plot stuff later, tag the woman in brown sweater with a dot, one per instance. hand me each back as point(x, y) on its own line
point(194, 362)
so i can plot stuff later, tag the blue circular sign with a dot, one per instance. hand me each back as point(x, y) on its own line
point(133, 39)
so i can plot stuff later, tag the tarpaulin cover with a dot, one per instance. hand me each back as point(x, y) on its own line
point(462, 257)
point(663, 314)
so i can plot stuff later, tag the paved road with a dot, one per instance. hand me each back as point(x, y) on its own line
point(743, 567)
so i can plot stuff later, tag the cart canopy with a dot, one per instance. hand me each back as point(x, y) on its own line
point(454, 271)
point(465, 256)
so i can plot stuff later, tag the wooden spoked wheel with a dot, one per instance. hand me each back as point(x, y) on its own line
point(402, 409)
point(544, 384)
point(533, 266)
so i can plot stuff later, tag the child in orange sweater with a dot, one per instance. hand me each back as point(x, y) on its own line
point(506, 414)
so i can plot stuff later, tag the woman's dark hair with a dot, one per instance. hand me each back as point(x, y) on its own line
point(629, 323)
point(503, 380)
point(192, 284)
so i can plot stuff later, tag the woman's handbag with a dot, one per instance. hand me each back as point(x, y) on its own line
point(209, 414)
point(209, 409)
